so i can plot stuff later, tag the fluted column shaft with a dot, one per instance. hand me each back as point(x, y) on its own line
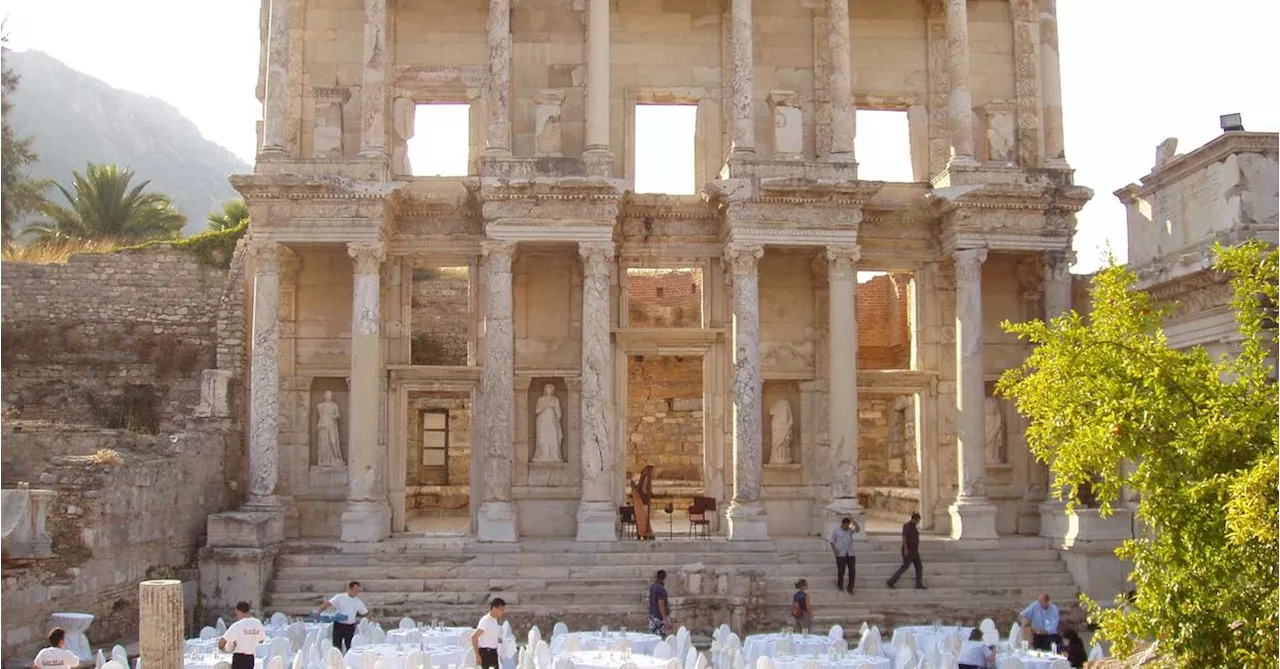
point(367, 516)
point(498, 142)
point(1051, 85)
point(160, 617)
point(264, 373)
point(373, 104)
point(746, 513)
point(972, 516)
point(598, 41)
point(275, 102)
point(742, 78)
point(840, 73)
point(842, 360)
point(496, 518)
point(595, 512)
point(960, 106)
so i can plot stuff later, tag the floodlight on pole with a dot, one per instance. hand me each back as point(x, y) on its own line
point(1231, 123)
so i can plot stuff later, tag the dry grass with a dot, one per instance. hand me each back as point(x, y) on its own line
point(55, 253)
point(106, 456)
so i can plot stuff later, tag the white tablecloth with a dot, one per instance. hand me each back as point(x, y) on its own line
point(444, 637)
point(1033, 659)
point(849, 661)
point(594, 659)
point(757, 646)
point(927, 637)
point(76, 624)
point(209, 660)
point(642, 643)
point(393, 656)
point(324, 629)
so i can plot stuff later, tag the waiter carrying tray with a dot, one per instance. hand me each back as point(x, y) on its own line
point(349, 608)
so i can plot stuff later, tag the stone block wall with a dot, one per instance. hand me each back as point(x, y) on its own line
point(887, 446)
point(440, 316)
point(129, 507)
point(114, 340)
point(664, 417)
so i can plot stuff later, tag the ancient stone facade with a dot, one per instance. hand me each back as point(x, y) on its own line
point(563, 261)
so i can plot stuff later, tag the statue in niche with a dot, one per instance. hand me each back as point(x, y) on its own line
point(780, 427)
point(328, 442)
point(995, 431)
point(548, 433)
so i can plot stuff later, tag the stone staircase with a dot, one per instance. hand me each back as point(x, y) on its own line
point(747, 584)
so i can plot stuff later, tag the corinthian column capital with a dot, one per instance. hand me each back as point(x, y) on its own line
point(969, 264)
point(743, 259)
point(596, 257)
point(265, 256)
point(842, 261)
point(367, 256)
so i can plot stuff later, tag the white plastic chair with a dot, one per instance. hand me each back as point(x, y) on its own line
point(407, 623)
point(673, 663)
point(358, 641)
point(221, 665)
point(991, 637)
point(120, 655)
point(905, 639)
point(507, 649)
point(1011, 662)
point(837, 632)
point(904, 657)
point(221, 625)
point(702, 662)
point(300, 661)
point(558, 629)
point(952, 643)
point(662, 651)
point(377, 635)
point(279, 647)
point(534, 636)
point(101, 659)
point(863, 630)
point(1096, 653)
point(840, 646)
point(210, 633)
point(335, 658)
point(297, 633)
point(1015, 635)
point(987, 624)
point(368, 660)
point(733, 640)
point(691, 658)
point(276, 662)
point(279, 619)
point(414, 659)
point(542, 655)
point(563, 663)
point(723, 631)
point(682, 642)
point(869, 644)
point(764, 663)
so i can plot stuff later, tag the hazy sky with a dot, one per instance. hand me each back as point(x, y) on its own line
point(1134, 72)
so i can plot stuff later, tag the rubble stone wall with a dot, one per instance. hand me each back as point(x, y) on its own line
point(664, 417)
point(114, 340)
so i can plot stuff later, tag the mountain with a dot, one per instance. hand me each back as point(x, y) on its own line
point(76, 119)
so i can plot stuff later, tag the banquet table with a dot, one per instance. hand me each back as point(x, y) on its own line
point(433, 636)
point(927, 637)
point(848, 661)
point(764, 645)
point(325, 629)
point(642, 643)
point(1033, 659)
point(76, 624)
point(393, 655)
point(611, 659)
point(208, 660)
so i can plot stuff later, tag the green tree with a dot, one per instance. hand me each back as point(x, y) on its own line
point(1112, 405)
point(21, 194)
point(234, 212)
point(103, 205)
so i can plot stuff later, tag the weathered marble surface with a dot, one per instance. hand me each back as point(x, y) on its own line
point(746, 514)
point(499, 88)
point(1051, 85)
point(160, 628)
point(373, 113)
point(264, 374)
point(972, 515)
point(367, 516)
point(842, 281)
point(595, 513)
point(742, 78)
point(960, 102)
point(275, 102)
point(598, 63)
point(840, 76)
point(497, 423)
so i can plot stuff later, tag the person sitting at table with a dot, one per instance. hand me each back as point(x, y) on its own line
point(800, 606)
point(243, 637)
point(659, 609)
point(1075, 652)
point(56, 656)
point(1042, 616)
point(641, 496)
point(349, 608)
point(487, 638)
point(974, 654)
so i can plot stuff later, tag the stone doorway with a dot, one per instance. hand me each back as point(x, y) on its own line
point(438, 461)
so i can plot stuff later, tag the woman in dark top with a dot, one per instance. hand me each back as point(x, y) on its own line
point(800, 606)
point(1075, 652)
point(641, 495)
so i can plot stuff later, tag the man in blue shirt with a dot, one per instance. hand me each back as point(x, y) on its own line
point(1042, 617)
point(842, 547)
point(659, 613)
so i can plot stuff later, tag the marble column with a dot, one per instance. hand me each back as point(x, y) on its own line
point(498, 141)
point(160, 617)
point(598, 154)
point(596, 512)
point(264, 375)
point(367, 516)
point(1051, 85)
point(746, 513)
point(373, 104)
point(972, 515)
point(496, 520)
point(742, 76)
point(275, 105)
point(840, 74)
point(842, 362)
point(960, 105)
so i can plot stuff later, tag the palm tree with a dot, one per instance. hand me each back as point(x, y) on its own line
point(105, 207)
point(234, 212)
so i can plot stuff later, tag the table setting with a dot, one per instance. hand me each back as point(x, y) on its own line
point(612, 659)
point(642, 643)
point(1032, 659)
point(765, 645)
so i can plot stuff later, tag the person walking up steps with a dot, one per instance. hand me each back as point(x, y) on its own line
point(910, 553)
point(842, 547)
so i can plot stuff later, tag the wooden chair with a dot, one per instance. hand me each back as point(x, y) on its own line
point(627, 516)
point(699, 520)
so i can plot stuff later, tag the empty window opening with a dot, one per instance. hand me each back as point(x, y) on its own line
point(440, 307)
point(885, 302)
point(441, 141)
point(665, 136)
point(883, 146)
point(664, 297)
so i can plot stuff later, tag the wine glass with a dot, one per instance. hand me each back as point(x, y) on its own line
point(1023, 646)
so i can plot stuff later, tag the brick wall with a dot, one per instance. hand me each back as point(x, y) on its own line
point(114, 340)
point(657, 298)
point(884, 341)
point(664, 417)
point(439, 316)
point(130, 507)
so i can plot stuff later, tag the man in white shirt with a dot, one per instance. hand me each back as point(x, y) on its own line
point(56, 656)
point(842, 547)
point(488, 635)
point(349, 608)
point(243, 637)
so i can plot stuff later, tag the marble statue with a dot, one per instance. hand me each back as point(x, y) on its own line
point(328, 442)
point(995, 430)
point(548, 433)
point(780, 454)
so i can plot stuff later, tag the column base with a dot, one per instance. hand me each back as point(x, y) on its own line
point(747, 522)
point(599, 161)
point(842, 508)
point(962, 161)
point(597, 521)
point(973, 520)
point(366, 522)
point(496, 522)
